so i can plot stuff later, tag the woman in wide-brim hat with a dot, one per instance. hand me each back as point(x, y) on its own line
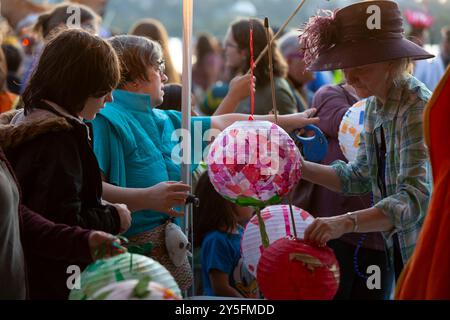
point(366, 41)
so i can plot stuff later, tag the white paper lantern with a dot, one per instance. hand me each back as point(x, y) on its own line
point(352, 125)
point(278, 225)
point(120, 268)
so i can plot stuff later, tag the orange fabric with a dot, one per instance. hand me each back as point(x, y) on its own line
point(7, 101)
point(427, 275)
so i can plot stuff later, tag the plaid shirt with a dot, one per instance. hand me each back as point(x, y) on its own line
point(408, 186)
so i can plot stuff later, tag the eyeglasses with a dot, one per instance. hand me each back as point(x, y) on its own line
point(161, 67)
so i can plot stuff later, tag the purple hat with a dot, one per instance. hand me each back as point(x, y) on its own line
point(362, 33)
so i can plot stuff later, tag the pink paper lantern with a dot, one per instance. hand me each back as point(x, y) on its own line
point(254, 163)
point(291, 269)
point(278, 225)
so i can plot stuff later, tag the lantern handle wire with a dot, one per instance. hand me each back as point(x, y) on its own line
point(283, 26)
point(272, 82)
point(292, 214)
point(101, 252)
point(262, 229)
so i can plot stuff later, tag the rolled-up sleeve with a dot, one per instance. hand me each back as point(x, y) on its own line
point(407, 207)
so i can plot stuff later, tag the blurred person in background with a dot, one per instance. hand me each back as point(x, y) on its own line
point(55, 20)
point(237, 60)
point(14, 59)
point(155, 30)
point(431, 71)
point(208, 66)
point(21, 13)
point(445, 46)
point(298, 76)
point(59, 17)
point(99, 6)
point(8, 100)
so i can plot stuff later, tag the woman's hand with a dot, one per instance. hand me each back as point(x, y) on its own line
point(164, 196)
point(323, 230)
point(240, 87)
point(104, 245)
point(291, 122)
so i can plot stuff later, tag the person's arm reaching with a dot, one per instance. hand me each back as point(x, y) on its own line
point(162, 197)
point(323, 230)
point(289, 122)
point(62, 242)
point(322, 175)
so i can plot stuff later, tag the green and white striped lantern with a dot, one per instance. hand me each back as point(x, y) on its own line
point(126, 266)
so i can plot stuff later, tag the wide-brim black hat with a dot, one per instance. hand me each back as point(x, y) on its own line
point(360, 34)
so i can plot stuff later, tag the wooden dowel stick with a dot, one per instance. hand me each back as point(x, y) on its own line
point(272, 81)
point(279, 32)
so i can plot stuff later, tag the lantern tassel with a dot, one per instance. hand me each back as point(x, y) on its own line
point(262, 229)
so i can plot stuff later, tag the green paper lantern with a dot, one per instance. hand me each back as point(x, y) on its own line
point(119, 268)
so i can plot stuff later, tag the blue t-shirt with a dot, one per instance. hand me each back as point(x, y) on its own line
point(134, 146)
point(221, 251)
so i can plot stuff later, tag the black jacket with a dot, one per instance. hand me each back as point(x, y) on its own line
point(57, 170)
point(59, 178)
